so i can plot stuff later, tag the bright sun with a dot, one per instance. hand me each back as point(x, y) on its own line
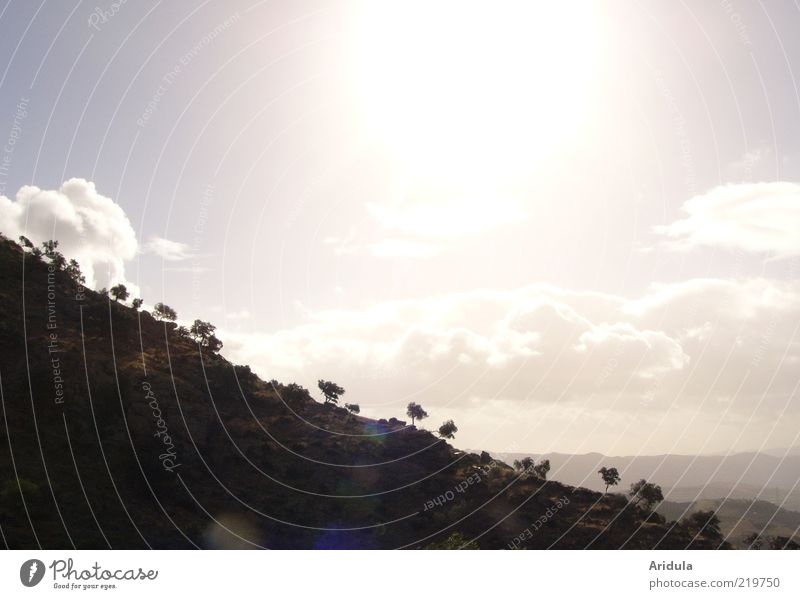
point(477, 88)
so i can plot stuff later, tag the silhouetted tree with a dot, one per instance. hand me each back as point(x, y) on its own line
point(415, 412)
point(610, 476)
point(202, 331)
point(330, 390)
point(119, 292)
point(646, 495)
point(524, 465)
point(213, 344)
point(448, 430)
point(137, 303)
point(162, 311)
point(25, 242)
point(58, 260)
point(73, 269)
point(182, 331)
point(353, 408)
point(541, 469)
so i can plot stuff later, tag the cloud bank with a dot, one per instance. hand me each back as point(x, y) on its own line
point(702, 342)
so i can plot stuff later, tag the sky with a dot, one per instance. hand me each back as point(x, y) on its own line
point(567, 227)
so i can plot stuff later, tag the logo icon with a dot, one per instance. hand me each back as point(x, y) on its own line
point(31, 572)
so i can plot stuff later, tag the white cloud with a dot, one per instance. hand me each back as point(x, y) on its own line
point(169, 250)
point(754, 217)
point(91, 228)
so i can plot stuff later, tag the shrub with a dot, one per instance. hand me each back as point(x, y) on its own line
point(448, 430)
point(161, 311)
point(646, 495)
point(119, 292)
point(415, 412)
point(610, 476)
point(330, 390)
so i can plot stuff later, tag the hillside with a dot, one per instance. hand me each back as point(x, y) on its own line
point(120, 432)
point(741, 518)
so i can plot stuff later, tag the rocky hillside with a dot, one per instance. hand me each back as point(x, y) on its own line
point(118, 431)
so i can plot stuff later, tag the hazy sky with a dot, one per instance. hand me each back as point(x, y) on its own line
point(567, 226)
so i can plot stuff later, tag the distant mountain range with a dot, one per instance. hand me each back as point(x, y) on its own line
point(686, 478)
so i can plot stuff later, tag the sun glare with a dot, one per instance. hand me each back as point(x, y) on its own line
point(477, 89)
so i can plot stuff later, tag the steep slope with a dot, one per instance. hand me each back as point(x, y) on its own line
point(119, 432)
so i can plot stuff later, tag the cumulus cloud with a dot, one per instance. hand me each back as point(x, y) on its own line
point(171, 251)
point(702, 342)
point(753, 217)
point(89, 227)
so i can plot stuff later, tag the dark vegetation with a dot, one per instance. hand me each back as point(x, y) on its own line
point(746, 523)
point(122, 429)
